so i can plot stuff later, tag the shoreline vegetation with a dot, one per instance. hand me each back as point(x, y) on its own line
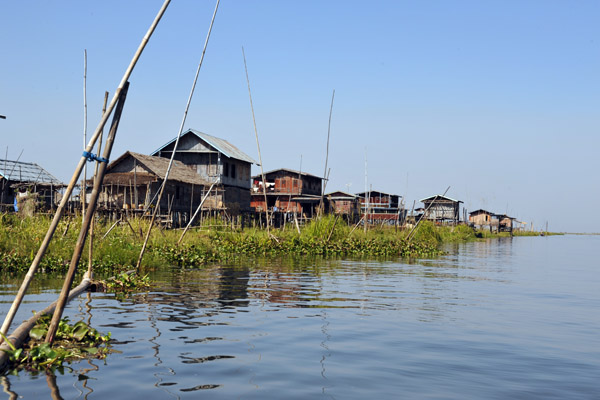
point(116, 248)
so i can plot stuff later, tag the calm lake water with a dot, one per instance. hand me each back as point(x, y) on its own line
point(501, 319)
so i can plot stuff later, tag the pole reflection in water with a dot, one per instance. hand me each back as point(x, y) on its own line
point(156, 347)
point(54, 391)
point(6, 388)
point(93, 367)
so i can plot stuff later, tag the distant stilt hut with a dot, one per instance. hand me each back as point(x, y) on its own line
point(27, 183)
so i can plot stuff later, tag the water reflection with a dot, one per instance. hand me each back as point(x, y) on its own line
point(5, 382)
point(305, 328)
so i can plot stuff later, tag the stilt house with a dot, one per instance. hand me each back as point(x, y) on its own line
point(287, 191)
point(214, 158)
point(133, 180)
point(381, 206)
point(482, 219)
point(441, 209)
point(21, 180)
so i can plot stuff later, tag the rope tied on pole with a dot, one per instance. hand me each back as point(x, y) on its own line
point(91, 157)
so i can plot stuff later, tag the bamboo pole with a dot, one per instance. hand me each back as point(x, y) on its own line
point(91, 250)
point(59, 211)
point(187, 107)
point(262, 172)
point(83, 185)
point(89, 215)
point(196, 213)
point(22, 332)
point(112, 227)
point(325, 174)
point(332, 228)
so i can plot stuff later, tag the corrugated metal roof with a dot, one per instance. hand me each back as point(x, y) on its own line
point(291, 171)
point(440, 197)
point(18, 171)
point(158, 166)
point(219, 144)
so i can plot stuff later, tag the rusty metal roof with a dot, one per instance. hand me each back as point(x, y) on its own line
point(221, 145)
point(18, 171)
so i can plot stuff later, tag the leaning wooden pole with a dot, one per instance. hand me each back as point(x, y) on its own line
point(197, 211)
point(20, 334)
point(187, 107)
point(59, 211)
point(89, 215)
point(262, 172)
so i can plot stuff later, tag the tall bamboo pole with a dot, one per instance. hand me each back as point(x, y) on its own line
point(83, 185)
point(187, 107)
point(89, 215)
point(325, 175)
point(262, 172)
point(59, 211)
point(91, 250)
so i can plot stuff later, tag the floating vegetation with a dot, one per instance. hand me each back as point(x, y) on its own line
point(128, 281)
point(71, 343)
point(224, 246)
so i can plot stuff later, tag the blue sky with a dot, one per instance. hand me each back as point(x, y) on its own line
point(498, 99)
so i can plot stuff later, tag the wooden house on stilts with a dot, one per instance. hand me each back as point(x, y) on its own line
point(287, 191)
point(213, 158)
point(441, 209)
point(133, 180)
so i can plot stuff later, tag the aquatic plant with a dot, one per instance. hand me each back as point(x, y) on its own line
point(71, 343)
point(128, 281)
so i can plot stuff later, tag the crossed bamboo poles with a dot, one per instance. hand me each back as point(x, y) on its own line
point(118, 98)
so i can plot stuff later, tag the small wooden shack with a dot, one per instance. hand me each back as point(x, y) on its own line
point(133, 180)
point(482, 219)
point(505, 223)
point(214, 158)
point(21, 181)
point(287, 191)
point(441, 209)
point(343, 203)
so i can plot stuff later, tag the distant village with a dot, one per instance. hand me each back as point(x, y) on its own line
point(214, 176)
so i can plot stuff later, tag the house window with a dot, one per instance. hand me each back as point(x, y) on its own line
point(177, 192)
point(233, 170)
point(226, 169)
